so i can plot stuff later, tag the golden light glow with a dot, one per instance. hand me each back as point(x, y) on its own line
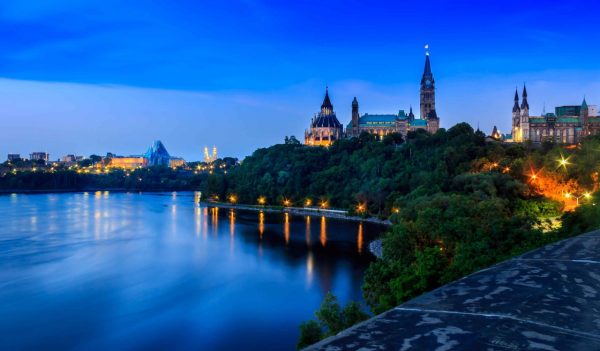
point(323, 231)
point(323, 204)
point(308, 233)
point(568, 195)
point(286, 227)
point(231, 223)
point(232, 199)
point(262, 200)
point(359, 240)
point(261, 224)
point(308, 202)
point(287, 202)
point(587, 195)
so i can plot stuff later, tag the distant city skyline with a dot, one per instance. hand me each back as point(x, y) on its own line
point(83, 77)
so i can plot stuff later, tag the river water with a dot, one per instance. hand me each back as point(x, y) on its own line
point(129, 271)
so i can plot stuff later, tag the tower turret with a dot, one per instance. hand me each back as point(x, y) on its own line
point(516, 119)
point(523, 130)
point(326, 107)
point(525, 103)
point(584, 115)
point(355, 115)
point(516, 107)
point(427, 96)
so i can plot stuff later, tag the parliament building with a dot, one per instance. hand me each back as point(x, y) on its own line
point(567, 125)
point(325, 128)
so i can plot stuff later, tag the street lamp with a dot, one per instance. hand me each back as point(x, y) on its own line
point(232, 199)
point(585, 195)
point(262, 200)
point(286, 202)
point(563, 162)
point(308, 202)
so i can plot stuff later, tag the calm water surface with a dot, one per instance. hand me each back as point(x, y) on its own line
point(107, 271)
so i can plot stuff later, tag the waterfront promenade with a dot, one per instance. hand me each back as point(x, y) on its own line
point(547, 299)
point(300, 211)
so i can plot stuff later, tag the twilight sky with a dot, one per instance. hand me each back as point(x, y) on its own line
point(91, 76)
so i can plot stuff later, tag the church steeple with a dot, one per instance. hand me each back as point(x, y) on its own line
point(524, 104)
point(516, 105)
point(326, 107)
point(427, 90)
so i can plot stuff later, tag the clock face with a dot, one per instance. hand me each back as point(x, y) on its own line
point(428, 82)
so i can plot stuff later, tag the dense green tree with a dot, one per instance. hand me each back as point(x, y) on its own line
point(331, 319)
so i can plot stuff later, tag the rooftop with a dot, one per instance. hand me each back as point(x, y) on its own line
point(547, 299)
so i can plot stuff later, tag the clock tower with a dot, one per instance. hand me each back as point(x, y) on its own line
point(427, 90)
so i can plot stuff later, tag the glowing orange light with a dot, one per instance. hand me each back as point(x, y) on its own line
point(262, 200)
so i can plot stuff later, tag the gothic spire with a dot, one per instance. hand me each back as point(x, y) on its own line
point(516, 105)
point(427, 70)
point(326, 107)
point(584, 104)
point(524, 104)
point(355, 102)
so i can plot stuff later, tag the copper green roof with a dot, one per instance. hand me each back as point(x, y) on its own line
point(419, 123)
point(537, 120)
point(568, 120)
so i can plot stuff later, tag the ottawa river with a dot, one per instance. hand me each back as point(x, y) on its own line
point(129, 271)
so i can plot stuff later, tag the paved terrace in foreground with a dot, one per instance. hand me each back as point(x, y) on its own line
point(547, 299)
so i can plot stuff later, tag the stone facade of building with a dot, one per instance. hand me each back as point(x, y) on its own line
point(325, 128)
point(402, 122)
point(567, 125)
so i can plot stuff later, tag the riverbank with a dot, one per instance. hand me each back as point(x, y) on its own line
point(300, 211)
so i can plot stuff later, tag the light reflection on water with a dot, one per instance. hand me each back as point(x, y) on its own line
point(159, 270)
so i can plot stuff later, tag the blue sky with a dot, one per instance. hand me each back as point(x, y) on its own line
point(97, 76)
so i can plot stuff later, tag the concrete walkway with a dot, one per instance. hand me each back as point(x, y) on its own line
point(547, 299)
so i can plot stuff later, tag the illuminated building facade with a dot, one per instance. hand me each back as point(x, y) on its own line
point(37, 156)
point(175, 162)
point(128, 162)
point(156, 155)
point(325, 128)
point(567, 125)
point(209, 158)
point(402, 122)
